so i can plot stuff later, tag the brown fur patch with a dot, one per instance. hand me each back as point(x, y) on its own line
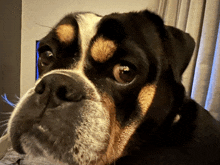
point(103, 49)
point(116, 144)
point(145, 99)
point(146, 96)
point(125, 135)
point(65, 33)
point(119, 137)
point(108, 103)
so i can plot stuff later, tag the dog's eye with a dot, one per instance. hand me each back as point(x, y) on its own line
point(46, 58)
point(124, 73)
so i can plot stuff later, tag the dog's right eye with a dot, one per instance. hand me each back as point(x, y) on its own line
point(45, 58)
point(124, 73)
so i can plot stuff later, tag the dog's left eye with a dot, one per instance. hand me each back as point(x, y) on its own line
point(45, 58)
point(124, 73)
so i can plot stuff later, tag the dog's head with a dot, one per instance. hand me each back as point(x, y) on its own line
point(101, 78)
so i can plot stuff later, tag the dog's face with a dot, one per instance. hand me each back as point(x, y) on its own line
point(101, 78)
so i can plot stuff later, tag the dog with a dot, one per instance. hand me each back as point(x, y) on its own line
point(110, 92)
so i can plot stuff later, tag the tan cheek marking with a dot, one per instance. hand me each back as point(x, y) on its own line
point(145, 97)
point(65, 33)
point(103, 49)
point(110, 154)
point(119, 137)
point(109, 104)
point(125, 136)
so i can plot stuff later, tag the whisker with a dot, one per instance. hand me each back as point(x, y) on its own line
point(4, 121)
point(4, 132)
point(43, 25)
point(6, 113)
point(3, 125)
point(17, 97)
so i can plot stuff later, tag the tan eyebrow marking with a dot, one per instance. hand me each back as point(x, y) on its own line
point(65, 33)
point(103, 49)
point(146, 96)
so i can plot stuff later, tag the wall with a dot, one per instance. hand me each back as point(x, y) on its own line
point(38, 16)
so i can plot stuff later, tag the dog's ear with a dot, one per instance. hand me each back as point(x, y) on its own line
point(178, 47)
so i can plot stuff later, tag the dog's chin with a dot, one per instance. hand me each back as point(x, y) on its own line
point(38, 143)
point(34, 148)
point(69, 135)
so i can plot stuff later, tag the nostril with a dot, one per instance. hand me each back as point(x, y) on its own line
point(55, 89)
point(40, 88)
point(61, 93)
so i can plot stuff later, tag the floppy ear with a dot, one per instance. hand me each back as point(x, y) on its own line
point(179, 48)
point(178, 45)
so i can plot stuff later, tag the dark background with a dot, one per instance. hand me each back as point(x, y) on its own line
point(10, 50)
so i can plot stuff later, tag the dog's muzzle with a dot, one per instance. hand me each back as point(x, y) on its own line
point(62, 117)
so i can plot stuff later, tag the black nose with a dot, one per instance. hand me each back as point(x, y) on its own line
point(54, 89)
